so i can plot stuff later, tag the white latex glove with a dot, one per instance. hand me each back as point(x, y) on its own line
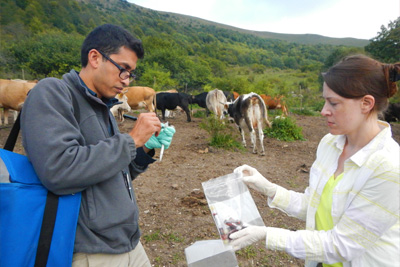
point(247, 236)
point(255, 180)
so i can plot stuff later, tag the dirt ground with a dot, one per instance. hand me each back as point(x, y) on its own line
point(173, 211)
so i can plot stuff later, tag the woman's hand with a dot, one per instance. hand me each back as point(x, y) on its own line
point(255, 180)
point(247, 236)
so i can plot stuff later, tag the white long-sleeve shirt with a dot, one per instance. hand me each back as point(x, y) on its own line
point(365, 207)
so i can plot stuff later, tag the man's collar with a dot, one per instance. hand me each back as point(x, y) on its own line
point(108, 101)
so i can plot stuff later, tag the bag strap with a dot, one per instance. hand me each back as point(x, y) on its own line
point(46, 232)
point(13, 136)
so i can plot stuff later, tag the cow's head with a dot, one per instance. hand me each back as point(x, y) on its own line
point(228, 108)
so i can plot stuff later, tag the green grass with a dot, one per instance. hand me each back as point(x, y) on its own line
point(284, 129)
point(222, 134)
point(247, 252)
point(172, 237)
point(199, 114)
point(153, 236)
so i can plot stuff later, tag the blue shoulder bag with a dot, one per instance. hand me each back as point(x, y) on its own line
point(37, 227)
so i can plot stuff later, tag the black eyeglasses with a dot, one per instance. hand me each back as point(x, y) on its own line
point(124, 74)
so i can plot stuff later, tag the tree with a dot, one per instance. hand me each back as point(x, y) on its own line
point(157, 78)
point(51, 53)
point(340, 53)
point(386, 46)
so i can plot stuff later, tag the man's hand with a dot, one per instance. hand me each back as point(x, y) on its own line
point(146, 125)
point(164, 138)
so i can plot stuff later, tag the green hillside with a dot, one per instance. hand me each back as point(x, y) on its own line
point(41, 38)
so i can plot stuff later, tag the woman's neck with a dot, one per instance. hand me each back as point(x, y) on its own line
point(366, 132)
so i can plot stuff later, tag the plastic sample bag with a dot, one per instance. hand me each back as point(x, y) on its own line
point(231, 204)
point(210, 253)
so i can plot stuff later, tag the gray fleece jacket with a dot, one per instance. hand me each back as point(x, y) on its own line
point(66, 136)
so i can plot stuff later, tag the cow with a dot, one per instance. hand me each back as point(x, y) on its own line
point(250, 110)
point(216, 101)
point(235, 95)
point(121, 107)
point(171, 101)
point(229, 96)
point(392, 113)
point(12, 96)
point(141, 97)
point(171, 113)
point(275, 103)
point(200, 100)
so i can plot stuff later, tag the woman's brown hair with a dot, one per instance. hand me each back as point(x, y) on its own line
point(359, 75)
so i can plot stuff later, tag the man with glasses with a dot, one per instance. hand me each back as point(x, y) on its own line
point(75, 146)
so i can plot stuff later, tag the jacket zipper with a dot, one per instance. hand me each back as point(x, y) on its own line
point(128, 184)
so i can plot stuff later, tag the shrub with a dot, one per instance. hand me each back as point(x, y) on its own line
point(199, 114)
point(284, 129)
point(220, 133)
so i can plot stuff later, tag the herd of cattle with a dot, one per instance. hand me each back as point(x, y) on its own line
point(247, 110)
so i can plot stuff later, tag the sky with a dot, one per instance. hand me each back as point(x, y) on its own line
point(333, 18)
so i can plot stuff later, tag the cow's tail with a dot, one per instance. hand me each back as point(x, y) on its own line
point(264, 109)
point(155, 103)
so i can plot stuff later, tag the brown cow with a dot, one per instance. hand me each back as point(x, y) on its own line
point(275, 103)
point(235, 95)
point(12, 95)
point(141, 97)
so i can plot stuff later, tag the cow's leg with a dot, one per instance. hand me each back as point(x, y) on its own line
point(186, 109)
point(242, 134)
point(253, 140)
point(15, 115)
point(120, 115)
point(261, 137)
point(221, 113)
point(6, 116)
point(163, 114)
point(1, 116)
point(249, 124)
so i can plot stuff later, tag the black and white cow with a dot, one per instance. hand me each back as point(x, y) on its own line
point(170, 101)
point(249, 111)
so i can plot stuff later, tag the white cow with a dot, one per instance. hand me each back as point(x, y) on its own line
point(119, 109)
point(215, 102)
point(12, 96)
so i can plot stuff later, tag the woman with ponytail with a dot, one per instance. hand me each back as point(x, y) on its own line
point(351, 206)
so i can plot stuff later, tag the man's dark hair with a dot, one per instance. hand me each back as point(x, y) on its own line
point(109, 38)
